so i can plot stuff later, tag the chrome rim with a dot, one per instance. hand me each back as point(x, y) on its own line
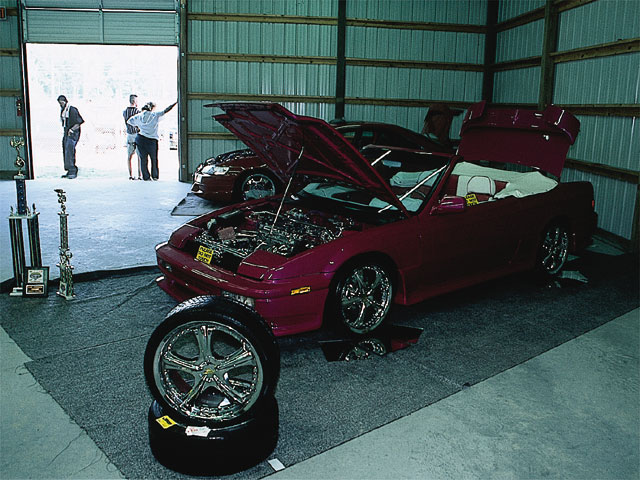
point(257, 185)
point(555, 248)
point(208, 371)
point(365, 298)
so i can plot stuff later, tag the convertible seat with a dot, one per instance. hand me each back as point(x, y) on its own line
point(484, 188)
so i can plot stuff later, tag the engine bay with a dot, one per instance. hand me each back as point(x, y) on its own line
point(239, 233)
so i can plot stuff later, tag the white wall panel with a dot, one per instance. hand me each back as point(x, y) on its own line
point(615, 201)
point(106, 4)
point(261, 78)
point(10, 79)
point(100, 27)
point(598, 80)
point(9, 29)
point(10, 73)
point(262, 38)
point(613, 141)
point(421, 45)
point(520, 42)
point(508, 9)
point(56, 26)
point(517, 86)
point(439, 11)
point(10, 121)
point(599, 22)
point(406, 83)
point(305, 8)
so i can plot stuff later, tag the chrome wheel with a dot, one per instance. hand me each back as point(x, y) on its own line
point(364, 298)
point(257, 185)
point(554, 249)
point(208, 371)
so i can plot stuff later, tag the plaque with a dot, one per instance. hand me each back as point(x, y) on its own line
point(36, 280)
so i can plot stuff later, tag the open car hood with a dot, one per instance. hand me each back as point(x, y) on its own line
point(278, 136)
point(526, 137)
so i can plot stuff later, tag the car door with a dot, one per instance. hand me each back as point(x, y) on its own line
point(469, 246)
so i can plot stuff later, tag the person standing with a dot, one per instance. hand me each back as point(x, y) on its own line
point(71, 121)
point(147, 137)
point(129, 112)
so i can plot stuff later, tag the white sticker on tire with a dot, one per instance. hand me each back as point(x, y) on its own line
point(191, 431)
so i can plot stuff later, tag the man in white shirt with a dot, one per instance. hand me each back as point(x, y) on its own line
point(147, 137)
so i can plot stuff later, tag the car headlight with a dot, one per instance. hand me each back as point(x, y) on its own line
point(240, 298)
point(215, 170)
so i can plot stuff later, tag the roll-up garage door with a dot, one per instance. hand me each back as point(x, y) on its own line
point(123, 22)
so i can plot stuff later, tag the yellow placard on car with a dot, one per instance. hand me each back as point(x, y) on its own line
point(205, 254)
point(471, 199)
point(298, 291)
point(166, 422)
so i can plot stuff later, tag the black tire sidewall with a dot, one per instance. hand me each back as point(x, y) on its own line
point(224, 450)
point(245, 321)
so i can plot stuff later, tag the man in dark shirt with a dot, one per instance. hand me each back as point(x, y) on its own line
point(71, 121)
point(129, 112)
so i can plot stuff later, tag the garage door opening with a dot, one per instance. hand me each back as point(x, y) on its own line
point(98, 79)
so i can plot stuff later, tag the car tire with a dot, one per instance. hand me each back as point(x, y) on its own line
point(203, 451)
point(553, 250)
point(211, 362)
point(256, 185)
point(361, 297)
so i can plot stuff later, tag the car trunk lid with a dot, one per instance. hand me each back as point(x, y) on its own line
point(525, 137)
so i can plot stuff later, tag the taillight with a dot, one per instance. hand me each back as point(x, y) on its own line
point(593, 204)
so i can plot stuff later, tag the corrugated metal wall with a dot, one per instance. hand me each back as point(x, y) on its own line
point(238, 50)
point(613, 141)
point(593, 85)
point(417, 84)
point(523, 84)
point(10, 88)
point(154, 22)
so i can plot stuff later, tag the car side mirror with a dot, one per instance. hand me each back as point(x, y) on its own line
point(449, 204)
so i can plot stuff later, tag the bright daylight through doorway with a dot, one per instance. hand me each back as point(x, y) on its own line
point(98, 79)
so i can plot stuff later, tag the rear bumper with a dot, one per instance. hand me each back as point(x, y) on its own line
point(287, 314)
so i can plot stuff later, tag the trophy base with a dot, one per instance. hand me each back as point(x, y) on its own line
point(16, 292)
point(66, 297)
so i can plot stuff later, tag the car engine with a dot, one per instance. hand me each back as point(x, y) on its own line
point(240, 233)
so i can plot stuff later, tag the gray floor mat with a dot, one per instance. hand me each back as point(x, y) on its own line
point(192, 205)
point(88, 354)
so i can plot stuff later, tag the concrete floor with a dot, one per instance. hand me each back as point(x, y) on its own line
point(571, 412)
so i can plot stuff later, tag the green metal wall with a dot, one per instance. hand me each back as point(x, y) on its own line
point(10, 89)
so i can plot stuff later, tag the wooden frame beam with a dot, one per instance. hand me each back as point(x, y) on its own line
point(603, 50)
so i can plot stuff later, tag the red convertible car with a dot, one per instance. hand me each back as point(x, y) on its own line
point(242, 175)
point(356, 236)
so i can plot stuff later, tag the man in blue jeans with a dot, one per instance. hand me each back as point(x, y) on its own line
point(71, 121)
point(147, 138)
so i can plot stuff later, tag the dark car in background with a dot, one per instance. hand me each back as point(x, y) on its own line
point(242, 175)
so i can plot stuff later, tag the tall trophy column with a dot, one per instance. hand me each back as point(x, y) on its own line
point(22, 212)
point(65, 288)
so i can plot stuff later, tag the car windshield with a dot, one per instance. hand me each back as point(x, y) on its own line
point(412, 177)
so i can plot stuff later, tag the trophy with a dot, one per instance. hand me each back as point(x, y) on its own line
point(21, 189)
point(65, 289)
point(22, 212)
